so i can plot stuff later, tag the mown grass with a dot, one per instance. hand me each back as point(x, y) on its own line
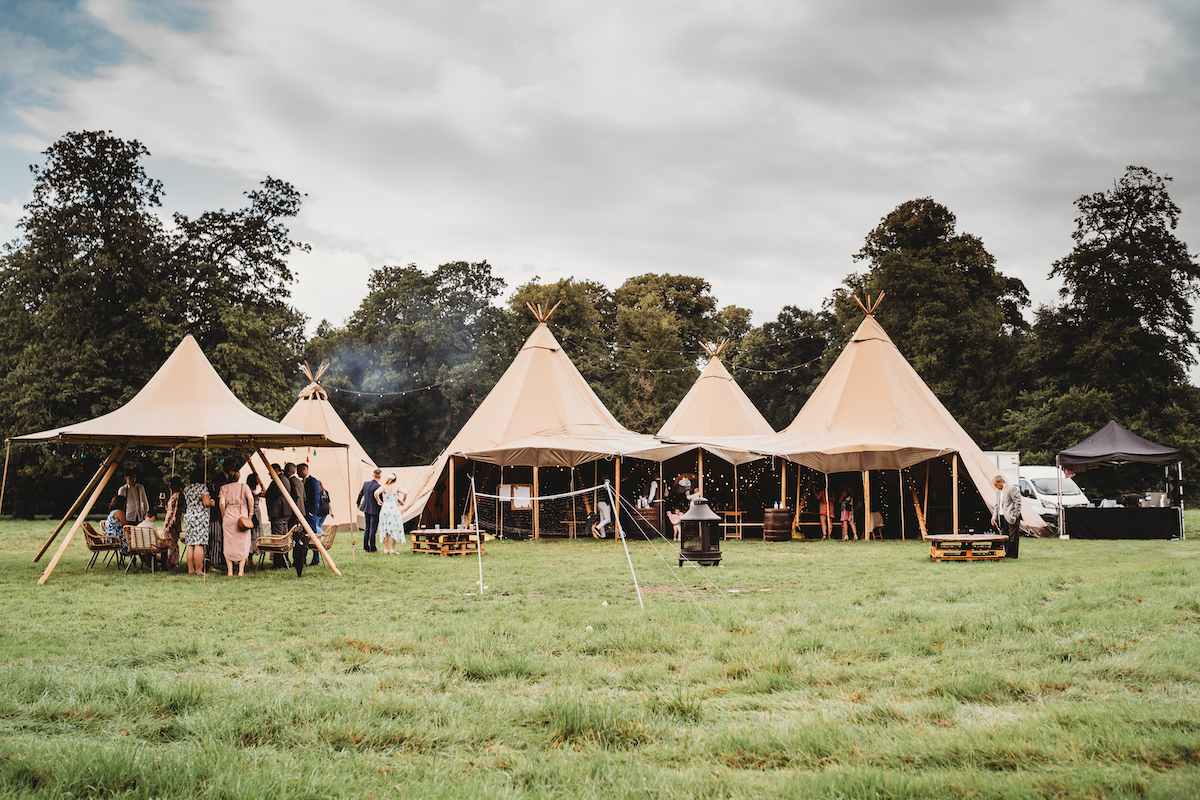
point(821, 669)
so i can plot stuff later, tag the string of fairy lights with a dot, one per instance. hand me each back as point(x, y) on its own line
point(471, 371)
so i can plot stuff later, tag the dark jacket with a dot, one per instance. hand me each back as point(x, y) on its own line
point(366, 497)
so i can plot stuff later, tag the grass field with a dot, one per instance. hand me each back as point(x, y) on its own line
point(820, 669)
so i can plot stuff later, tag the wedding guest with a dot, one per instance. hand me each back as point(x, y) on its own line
point(196, 501)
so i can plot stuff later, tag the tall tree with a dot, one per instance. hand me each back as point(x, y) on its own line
point(662, 322)
point(97, 292)
point(1125, 323)
point(952, 314)
point(417, 357)
point(1119, 344)
point(779, 364)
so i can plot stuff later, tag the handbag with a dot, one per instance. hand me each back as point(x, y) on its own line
point(245, 524)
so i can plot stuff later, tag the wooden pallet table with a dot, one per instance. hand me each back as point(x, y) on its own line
point(966, 547)
point(446, 542)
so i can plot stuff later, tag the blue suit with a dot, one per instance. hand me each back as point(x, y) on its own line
point(370, 509)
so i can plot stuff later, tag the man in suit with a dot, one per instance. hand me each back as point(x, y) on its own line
point(312, 505)
point(279, 514)
point(300, 541)
point(370, 508)
point(1007, 516)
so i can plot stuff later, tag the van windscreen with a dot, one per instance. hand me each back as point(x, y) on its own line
point(1048, 486)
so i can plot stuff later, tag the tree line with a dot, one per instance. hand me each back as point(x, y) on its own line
point(98, 289)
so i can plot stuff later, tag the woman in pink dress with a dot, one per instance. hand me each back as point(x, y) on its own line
point(236, 502)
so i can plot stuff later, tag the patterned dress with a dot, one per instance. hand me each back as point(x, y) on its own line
point(391, 522)
point(113, 527)
point(195, 515)
point(172, 527)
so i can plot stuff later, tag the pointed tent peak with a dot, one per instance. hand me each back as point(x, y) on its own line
point(714, 349)
point(869, 307)
point(314, 388)
point(539, 311)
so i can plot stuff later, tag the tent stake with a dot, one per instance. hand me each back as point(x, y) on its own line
point(62, 548)
point(91, 485)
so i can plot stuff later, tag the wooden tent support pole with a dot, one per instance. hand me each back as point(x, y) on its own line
point(920, 514)
point(900, 505)
point(75, 507)
point(313, 539)
point(4, 481)
point(450, 497)
point(925, 504)
point(616, 500)
point(537, 507)
point(954, 475)
point(783, 484)
point(700, 470)
point(120, 451)
point(867, 504)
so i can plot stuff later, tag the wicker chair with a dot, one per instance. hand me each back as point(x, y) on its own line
point(275, 545)
point(145, 541)
point(328, 536)
point(99, 543)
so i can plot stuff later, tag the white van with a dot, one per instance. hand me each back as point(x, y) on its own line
point(1041, 485)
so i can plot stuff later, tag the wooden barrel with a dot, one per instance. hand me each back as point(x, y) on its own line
point(645, 524)
point(777, 524)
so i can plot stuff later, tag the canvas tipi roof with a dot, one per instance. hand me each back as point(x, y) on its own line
point(341, 472)
point(185, 404)
point(714, 409)
point(543, 413)
point(872, 411)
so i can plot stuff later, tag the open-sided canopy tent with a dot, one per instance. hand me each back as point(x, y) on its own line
point(1115, 445)
point(341, 472)
point(872, 411)
point(540, 413)
point(185, 404)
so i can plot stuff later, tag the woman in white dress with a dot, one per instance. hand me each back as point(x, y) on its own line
point(391, 499)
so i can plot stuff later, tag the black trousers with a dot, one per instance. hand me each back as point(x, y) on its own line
point(369, 533)
point(1012, 530)
point(299, 551)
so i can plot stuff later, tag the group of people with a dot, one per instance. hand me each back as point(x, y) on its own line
point(382, 506)
point(217, 523)
point(842, 510)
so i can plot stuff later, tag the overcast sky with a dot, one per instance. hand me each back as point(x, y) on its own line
point(751, 142)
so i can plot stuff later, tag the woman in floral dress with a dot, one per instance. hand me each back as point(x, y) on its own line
point(391, 521)
point(195, 521)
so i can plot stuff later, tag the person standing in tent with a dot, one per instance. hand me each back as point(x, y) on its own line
point(279, 514)
point(137, 507)
point(847, 504)
point(825, 511)
point(196, 501)
point(370, 508)
point(237, 503)
point(1007, 514)
point(391, 499)
point(173, 522)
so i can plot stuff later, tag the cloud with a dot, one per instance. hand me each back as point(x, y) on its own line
point(752, 143)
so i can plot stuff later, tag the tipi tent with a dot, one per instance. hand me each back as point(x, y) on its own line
point(712, 411)
point(540, 413)
point(185, 404)
point(341, 472)
point(872, 411)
